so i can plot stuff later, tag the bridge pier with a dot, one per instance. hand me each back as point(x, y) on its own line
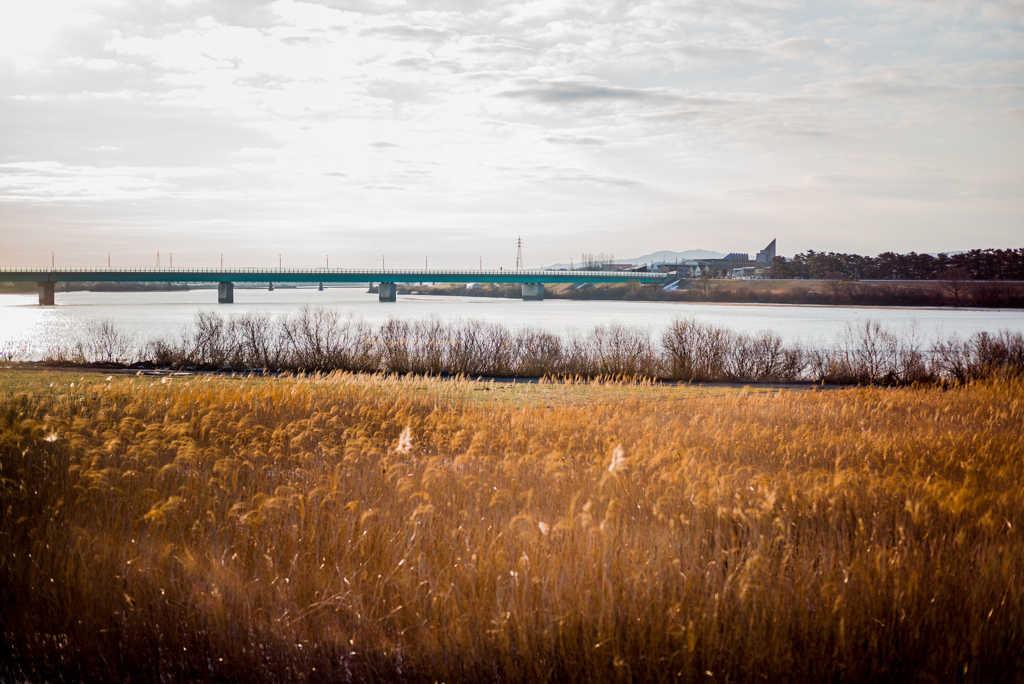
point(386, 292)
point(271, 288)
point(533, 292)
point(46, 293)
point(321, 288)
point(225, 293)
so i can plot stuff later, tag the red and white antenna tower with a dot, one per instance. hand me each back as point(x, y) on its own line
point(519, 253)
point(158, 259)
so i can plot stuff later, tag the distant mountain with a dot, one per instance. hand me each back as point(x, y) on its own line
point(665, 256)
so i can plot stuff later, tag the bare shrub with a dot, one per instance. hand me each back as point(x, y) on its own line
point(986, 355)
point(502, 351)
point(258, 340)
point(477, 348)
point(763, 358)
point(912, 363)
point(104, 343)
point(357, 348)
point(164, 353)
point(539, 353)
point(395, 346)
point(578, 357)
point(469, 348)
point(322, 339)
point(952, 358)
point(866, 353)
point(311, 335)
point(13, 351)
point(696, 351)
point(204, 341)
point(430, 343)
point(65, 354)
point(624, 352)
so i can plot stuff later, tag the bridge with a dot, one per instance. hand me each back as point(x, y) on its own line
point(533, 281)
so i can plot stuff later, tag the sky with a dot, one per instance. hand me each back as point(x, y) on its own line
point(412, 133)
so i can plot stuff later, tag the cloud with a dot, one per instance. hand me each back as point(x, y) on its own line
point(569, 92)
point(409, 33)
point(125, 130)
point(795, 48)
point(710, 54)
point(918, 185)
point(587, 141)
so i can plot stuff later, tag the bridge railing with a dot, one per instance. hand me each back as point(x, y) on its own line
point(330, 271)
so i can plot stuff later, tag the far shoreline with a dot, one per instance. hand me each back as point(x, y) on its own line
point(885, 294)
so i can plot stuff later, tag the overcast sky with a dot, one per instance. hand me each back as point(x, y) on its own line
point(445, 129)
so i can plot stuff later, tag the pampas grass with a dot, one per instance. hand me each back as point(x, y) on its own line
point(370, 528)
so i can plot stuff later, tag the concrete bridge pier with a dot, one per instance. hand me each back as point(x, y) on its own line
point(533, 292)
point(386, 292)
point(271, 288)
point(225, 293)
point(321, 287)
point(46, 293)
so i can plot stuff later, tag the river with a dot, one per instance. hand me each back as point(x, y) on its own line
point(154, 315)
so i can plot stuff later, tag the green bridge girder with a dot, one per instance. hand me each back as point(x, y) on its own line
point(323, 275)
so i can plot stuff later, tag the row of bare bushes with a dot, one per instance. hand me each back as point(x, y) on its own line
point(689, 350)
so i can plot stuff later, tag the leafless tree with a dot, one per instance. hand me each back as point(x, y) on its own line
point(956, 284)
point(839, 286)
point(704, 282)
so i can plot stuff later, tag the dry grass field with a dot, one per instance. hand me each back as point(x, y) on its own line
point(374, 528)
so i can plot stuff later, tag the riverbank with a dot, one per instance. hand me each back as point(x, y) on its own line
point(983, 294)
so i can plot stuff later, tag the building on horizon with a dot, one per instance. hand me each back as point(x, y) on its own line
point(765, 256)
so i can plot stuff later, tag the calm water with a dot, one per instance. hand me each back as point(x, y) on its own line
point(151, 315)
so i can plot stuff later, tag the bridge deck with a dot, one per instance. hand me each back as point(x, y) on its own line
point(333, 275)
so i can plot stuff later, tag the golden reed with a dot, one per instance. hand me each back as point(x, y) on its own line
point(369, 528)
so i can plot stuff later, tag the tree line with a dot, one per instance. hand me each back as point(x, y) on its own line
point(977, 264)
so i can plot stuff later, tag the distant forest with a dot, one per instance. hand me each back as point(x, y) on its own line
point(977, 264)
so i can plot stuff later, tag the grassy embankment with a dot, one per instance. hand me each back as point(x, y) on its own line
point(369, 528)
point(840, 292)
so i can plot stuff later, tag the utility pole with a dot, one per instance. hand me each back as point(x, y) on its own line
point(278, 262)
point(481, 264)
point(108, 259)
point(222, 261)
point(328, 261)
point(426, 263)
point(52, 262)
point(519, 253)
point(172, 259)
